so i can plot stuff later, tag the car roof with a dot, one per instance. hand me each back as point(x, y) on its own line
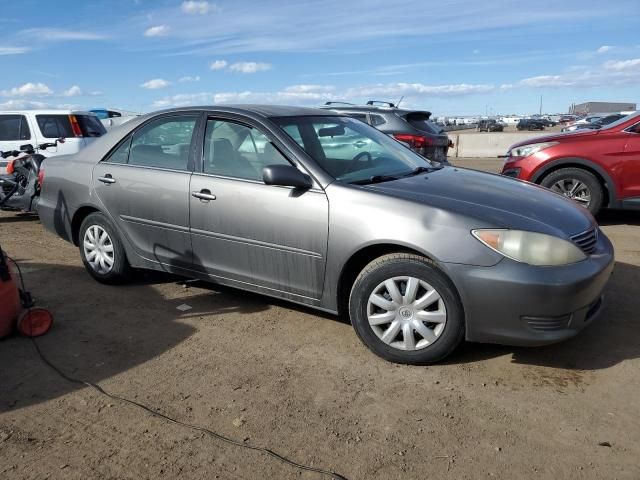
point(256, 109)
point(368, 109)
point(46, 112)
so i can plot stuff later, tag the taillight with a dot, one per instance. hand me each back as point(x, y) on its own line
point(41, 177)
point(75, 126)
point(415, 142)
point(10, 167)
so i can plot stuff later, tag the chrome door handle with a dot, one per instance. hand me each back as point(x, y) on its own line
point(359, 144)
point(203, 195)
point(108, 179)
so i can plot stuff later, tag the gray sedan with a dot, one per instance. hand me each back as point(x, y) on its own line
point(417, 255)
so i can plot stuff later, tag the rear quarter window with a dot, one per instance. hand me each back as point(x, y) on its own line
point(14, 127)
point(423, 124)
point(90, 126)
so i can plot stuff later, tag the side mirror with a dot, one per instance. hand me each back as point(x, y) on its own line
point(27, 148)
point(286, 176)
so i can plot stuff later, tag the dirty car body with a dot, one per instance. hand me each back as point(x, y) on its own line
point(311, 228)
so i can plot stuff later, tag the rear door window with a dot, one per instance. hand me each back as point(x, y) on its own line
point(163, 143)
point(358, 116)
point(55, 126)
point(14, 127)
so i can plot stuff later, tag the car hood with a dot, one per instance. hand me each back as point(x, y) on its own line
point(556, 137)
point(499, 201)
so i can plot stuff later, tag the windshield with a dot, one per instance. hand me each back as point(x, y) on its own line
point(351, 151)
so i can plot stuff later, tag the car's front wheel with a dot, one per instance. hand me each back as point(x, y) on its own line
point(577, 184)
point(101, 250)
point(406, 310)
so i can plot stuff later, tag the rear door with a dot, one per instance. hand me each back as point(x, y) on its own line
point(144, 186)
point(14, 131)
point(253, 234)
point(631, 168)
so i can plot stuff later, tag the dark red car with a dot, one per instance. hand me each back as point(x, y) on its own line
point(596, 168)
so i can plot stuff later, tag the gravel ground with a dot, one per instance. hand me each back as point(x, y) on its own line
point(274, 375)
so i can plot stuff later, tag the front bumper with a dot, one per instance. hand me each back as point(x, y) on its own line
point(513, 303)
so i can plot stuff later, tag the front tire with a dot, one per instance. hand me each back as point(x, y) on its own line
point(101, 250)
point(406, 310)
point(577, 184)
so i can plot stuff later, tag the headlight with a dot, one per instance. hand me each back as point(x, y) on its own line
point(530, 247)
point(526, 150)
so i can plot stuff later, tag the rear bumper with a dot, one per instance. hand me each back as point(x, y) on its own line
point(517, 304)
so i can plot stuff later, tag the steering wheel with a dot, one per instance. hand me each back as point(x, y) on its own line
point(361, 155)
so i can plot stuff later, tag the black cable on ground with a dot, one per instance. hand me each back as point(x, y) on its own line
point(206, 431)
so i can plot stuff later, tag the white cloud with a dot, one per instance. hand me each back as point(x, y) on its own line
point(157, 31)
point(309, 88)
point(188, 78)
point(623, 65)
point(611, 73)
point(604, 49)
point(198, 7)
point(317, 94)
point(218, 65)
point(398, 89)
point(74, 91)
point(155, 84)
point(22, 105)
point(60, 35)
point(28, 89)
point(184, 99)
point(13, 50)
point(249, 67)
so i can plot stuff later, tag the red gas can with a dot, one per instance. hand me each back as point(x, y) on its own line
point(10, 305)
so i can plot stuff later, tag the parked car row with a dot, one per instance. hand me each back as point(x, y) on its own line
point(315, 207)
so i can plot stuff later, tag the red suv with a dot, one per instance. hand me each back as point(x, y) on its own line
point(596, 168)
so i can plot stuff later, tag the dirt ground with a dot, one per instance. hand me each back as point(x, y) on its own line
point(274, 375)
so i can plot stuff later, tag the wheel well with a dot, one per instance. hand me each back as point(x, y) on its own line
point(354, 266)
point(77, 220)
point(605, 186)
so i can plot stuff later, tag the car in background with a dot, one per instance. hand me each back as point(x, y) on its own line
point(595, 125)
point(597, 168)
point(583, 121)
point(36, 127)
point(112, 118)
point(411, 127)
point(567, 119)
point(418, 256)
point(530, 124)
point(490, 125)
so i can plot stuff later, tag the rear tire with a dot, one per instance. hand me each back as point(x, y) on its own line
point(421, 320)
point(584, 184)
point(101, 250)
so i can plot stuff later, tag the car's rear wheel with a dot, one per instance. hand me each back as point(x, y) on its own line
point(577, 184)
point(406, 310)
point(101, 250)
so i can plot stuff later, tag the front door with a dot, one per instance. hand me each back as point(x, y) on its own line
point(631, 168)
point(144, 186)
point(250, 233)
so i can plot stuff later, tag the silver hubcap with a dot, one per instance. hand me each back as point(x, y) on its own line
point(98, 249)
point(406, 313)
point(573, 189)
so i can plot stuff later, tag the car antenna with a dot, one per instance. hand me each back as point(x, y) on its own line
point(399, 101)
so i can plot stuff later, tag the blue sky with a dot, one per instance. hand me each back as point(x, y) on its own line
point(460, 57)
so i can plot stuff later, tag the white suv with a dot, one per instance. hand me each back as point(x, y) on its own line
point(42, 126)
